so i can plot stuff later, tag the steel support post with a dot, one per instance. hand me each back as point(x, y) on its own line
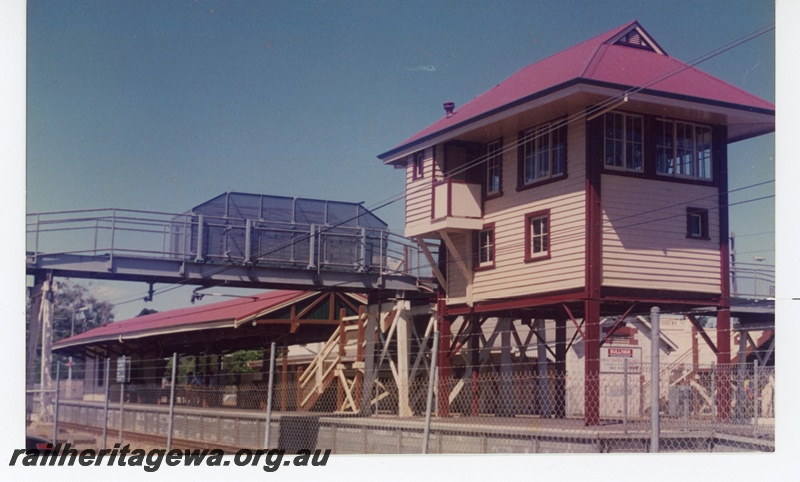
point(741, 376)
point(443, 363)
point(46, 314)
point(122, 401)
point(55, 408)
point(541, 358)
point(474, 361)
point(591, 401)
point(340, 385)
point(713, 395)
point(625, 395)
point(404, 321)
point(248, 241)
point(756, 392)
point(506, 388)
point(373, 317)
point(172, 400)
point(312, 246)
point(198, 255)
point(105, 405)
point(723, 380)
point(655, 351)
point(559, 409)
point(34, 337)
point(269, 394)
point(429, 403)
point(363, 264)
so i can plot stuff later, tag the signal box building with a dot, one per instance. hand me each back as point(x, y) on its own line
point(590, 184)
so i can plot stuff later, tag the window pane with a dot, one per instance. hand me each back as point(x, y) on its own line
point(494, 167)
point(542, 153)
point(529, 162)
point(559, 150)
point(486, 251)
point(684, 138)
point(614, 137)
point(539, 235)
point(665, 145)
point(703, 152)
point(695, 225)
point(633, 143)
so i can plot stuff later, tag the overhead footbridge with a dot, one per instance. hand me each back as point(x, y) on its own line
point(235, 239)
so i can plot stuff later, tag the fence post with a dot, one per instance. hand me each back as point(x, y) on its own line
point(36, 243)
point(172, 400)
point(625, 394)
point(363, 254)
point(198, 255)
point(429, 405)
point(55, 409)
point(312, 239)
point(122, 398)
point(655, 338)
point(105, 407)
point(269, 394)
point(756, 391)
point(110, 264)
point(685, 397)
point(713, 395)
point(248, 241)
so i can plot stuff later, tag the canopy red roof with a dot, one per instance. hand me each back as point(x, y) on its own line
point(222, 314)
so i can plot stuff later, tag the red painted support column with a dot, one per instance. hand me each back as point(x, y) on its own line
point(723, 381)
point(559, 410)
point(444, 359)
point(474, 353)
point(591, 394)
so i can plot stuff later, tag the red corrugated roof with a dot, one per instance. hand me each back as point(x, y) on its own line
point(225, 311)
point(598, 61)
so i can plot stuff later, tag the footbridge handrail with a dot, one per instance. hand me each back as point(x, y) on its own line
point(204, 238)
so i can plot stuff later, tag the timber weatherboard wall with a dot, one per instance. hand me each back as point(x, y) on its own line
point(565, 198)
point(644, 236)
point(419, 191)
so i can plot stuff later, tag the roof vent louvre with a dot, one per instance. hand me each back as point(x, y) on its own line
point(635, 39)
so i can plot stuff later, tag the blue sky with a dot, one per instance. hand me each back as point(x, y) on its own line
point(160, 105)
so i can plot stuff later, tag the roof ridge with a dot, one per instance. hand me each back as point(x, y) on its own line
point(702, 72)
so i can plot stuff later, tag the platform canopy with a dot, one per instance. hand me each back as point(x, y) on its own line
point(249, 322)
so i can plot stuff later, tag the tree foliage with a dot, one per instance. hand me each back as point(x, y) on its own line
point(76, 306)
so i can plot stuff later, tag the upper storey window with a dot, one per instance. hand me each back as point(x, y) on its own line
point(543, 153)
point(494, 168)
point(623, 134)
point(418, 165)
point(683, 150)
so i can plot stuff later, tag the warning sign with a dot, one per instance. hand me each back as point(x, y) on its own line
point(612, 359)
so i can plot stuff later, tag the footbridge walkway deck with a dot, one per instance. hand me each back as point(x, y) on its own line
point(236, 239)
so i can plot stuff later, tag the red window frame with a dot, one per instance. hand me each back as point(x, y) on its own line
point(478, 248)
point(529, 254)
point(418, 165)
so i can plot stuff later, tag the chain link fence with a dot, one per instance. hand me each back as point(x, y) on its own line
point(701, 408)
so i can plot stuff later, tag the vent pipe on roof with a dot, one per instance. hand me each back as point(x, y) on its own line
point(449, 106)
